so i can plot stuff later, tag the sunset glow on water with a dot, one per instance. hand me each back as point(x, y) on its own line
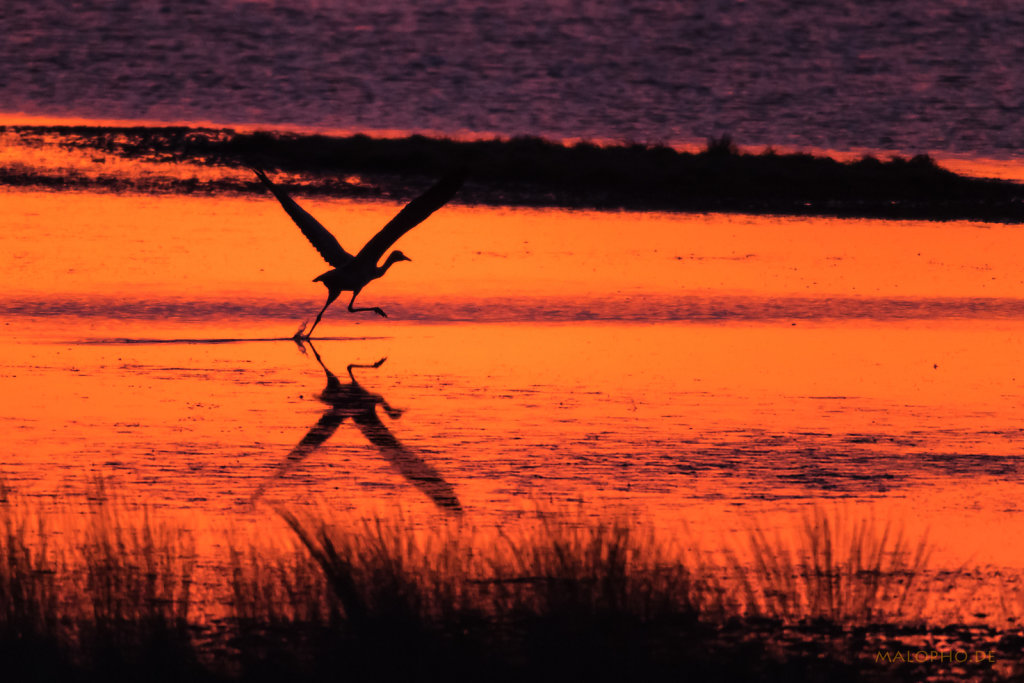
point(707, 369)
point(701, 358)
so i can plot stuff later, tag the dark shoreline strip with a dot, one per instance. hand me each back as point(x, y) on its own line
point(634, 309)
point(527, 171)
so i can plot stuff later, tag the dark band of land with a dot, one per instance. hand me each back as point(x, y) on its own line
point(527, 171)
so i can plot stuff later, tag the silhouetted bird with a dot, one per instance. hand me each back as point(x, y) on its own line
point(350, 401)
point(352, 273)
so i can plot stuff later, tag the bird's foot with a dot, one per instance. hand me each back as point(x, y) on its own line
point(299, 336)
point(380, 312)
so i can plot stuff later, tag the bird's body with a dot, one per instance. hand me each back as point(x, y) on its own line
point(353, 273)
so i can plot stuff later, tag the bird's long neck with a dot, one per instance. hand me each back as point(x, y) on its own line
point(387, 264)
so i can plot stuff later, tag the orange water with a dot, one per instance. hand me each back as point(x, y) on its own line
point(700, 368)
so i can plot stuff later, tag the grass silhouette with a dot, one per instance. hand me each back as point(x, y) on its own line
point(852, 573)
point(108, 595)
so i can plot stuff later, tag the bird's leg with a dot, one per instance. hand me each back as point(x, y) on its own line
point(393, 413)
point(363, 365)
point(317, 355)
point(302, 328)
point(375, 309)
point(331, 296)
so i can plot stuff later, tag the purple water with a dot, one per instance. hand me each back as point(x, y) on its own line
point(905, 75)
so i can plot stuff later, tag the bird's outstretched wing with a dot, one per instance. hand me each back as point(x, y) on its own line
point(416, 470)
point(315, 437)
point(414, 213)
point(319, 236)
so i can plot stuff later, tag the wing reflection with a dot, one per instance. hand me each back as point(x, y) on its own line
point(350, 400)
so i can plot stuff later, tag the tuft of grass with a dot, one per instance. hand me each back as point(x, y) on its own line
point(847, 573)
point(397, 589)
point(32, 632)
point(134, 577)
point(594, 596)
point(111, 601)
point(282, 613)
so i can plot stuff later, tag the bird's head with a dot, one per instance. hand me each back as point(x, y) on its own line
point(398, 256)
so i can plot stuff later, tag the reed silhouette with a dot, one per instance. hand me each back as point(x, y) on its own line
point(351, 401)
point(106, 592)
point(100, 595)
point(352, 273)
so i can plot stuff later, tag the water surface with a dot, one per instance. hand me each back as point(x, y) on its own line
point(910, 75)
point(708, 368)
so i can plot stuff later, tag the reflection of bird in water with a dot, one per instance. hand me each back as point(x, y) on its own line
point(351, 400)
point(352, 273)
